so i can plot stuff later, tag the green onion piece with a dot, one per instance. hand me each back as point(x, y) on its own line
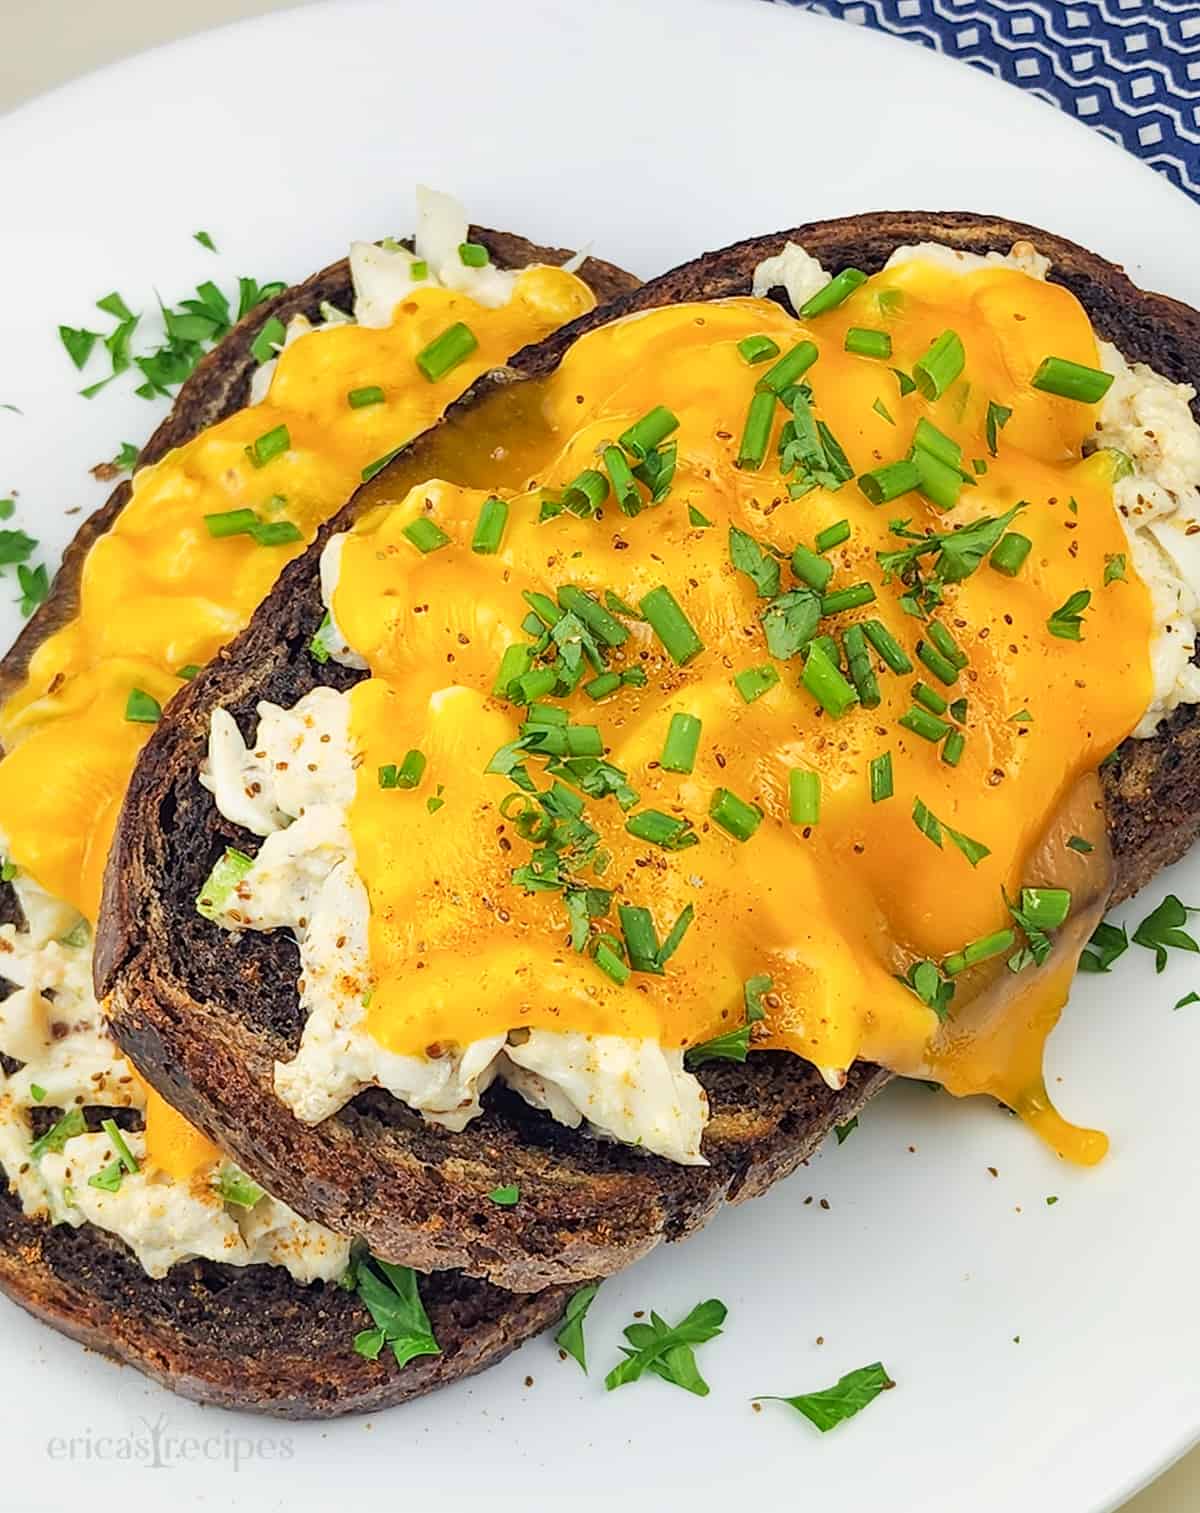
point(1045, 908)
point(734, 815)
point(635, 677)
point(788, 369)
point(418, 269)
point(124, 1155)
point(547, 714)
point(671, 625)
point(887, 646)
point(141, 708)
point(940, 483)
point(230, 523)
point(407, 775)
point(1010, 553)
point(446, 351)
point(882, 410)
point(675, 938)
point(610, 963)
point(924, 724)
point(824, 681)
point(958, 710)
point(882, 485)
point(946, 643)
point(682, 743)
point(275, 533)
point(186, 674)
point(979, 950)
point(833, 535)
point(753, 682)
point(662, 829)
point(905, 383)
point(928, 697)
point(270, 444)
point(426, 535)
point(514, 664)
point(221, 882)
point(882, 786)
point(601, 687)
point(944, 448)
point(936, 371)
point(811, 569)
point(755, 349)
point(594, 615)
point(489, 529)
point(373, 468)
point(644, 435)
point(1071, 380)
point(360, 399)
point(952, 748)
point(866, 343)
point(624, 484)
point(941, 667)
point(584, 495)
point(472, 255)
point(530, 686)
point(756, 435)
point(543, 607)
point(835, 292)
point(641, 938)
point(858, 664)
point(853, 597)
point(804, 796)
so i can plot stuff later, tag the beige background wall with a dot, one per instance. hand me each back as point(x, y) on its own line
point(44, 43)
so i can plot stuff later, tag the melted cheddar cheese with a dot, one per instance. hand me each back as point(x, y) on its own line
point(834, 913)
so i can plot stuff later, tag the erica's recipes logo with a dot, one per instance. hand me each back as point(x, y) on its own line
point(154, 1445)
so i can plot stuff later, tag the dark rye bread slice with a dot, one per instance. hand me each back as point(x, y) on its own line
point(247, 1337)
point(205, 1015)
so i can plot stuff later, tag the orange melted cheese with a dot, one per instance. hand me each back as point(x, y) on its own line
point(832, 913)
point(159, 592)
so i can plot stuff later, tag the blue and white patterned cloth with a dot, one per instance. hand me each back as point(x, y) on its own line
point(1130, 68)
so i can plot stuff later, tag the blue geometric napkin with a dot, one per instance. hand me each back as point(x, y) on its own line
point(1130, 68)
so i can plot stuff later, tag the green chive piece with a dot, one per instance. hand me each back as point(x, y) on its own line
point(426, 535)
point(641, 938)
point(645, 434)
point(853, 597)
point(188, 672)
point(1071, 380)
point(472, 254)
point(928, 438)
point(756, 435)
point(270, 444)
point(584, 495)
point(230, 523)
point(610, 963)
point(929, 698)
point(789, 368)
point(882, 786)
point(597, 619)
point(124, 1155)
point(979, 950)
point(940, 482)
point(804, 796)
point(1010, 553)
point(867, 343)
point(824, 681)
point(811, 569)
point(756, 349)
point(418, 269)
point(373, 468)
point(835, 292)
point(662, 830)
point(446, 351)
point(514, 664)
point(682, 743)
point(734, 815)
point(141, 708)
point(624, 484)
point(275, 533)
point(833, 535)
point(952, 748)
point(1045, 908)
point(936, 371)
point(671, 625)
point(946, 643)
point(753, 682)
point(940, 666)
point(958, 710)
point(882, 410)
point(882, 485)
point(543, 607)
point(489, 528)
point(407, 775)
point(887, 646)
point(924, 724)
point(601, 687)
point(361, 399)
point(221, 882)
point(858, 664)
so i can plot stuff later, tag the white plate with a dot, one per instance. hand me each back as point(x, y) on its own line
point(654, 130)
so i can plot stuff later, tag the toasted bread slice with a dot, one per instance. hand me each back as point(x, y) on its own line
point(206, 1022)
point(247, 1337)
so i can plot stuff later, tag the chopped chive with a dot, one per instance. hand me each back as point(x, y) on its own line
point(1045, 908)
point(1010, 552)
point(373, 468)
point(940, 482)
point(940, 666)
point(978, 466)
point(231, 523)
point(141, 708)
point(958, 710)
point(756, 349)
point(601, 687)
point(952, 748)
point(675, 937)
point(597, 619)
point(472, 254)
point(530, 686)
point(927, 437)
point(880, 770)
point(662, 829)
point(514, 664)
point(124, 1155)
point(904, 381)
point(756, 435)
point(882, 485)
point(624, 484)
point(887, 646)
point(824, 681)
point(610, 963)
point(1071, 380)
point(928, 726)
point(946, 643)
point(275, 533)
point(783, 374)
point(998, 417)
point(418, 269)
point(187, 673)
point(734, 815)
point(426, 535)
point(489, 528)
point(753, 682)
point(853, 597)
point(645, 434)
point(881, 409)
point(683, 741)
point(407, 775)
point(928, 697)
point(979, 950)
point(942, 363)
point(866, 343)
point(833, 535)
point(269, 339)
point(360, 399)
point(547, 714)
point(1078, 843)
point(835, 292)
point(804, 796)
point(446, 351)
point(858, 664)
point(811, 569)
point(671, 625)
point(221, 883)
point(641, 938)
point(270, 444)
point(635, 677)
point(543, 607)
point(584, 495)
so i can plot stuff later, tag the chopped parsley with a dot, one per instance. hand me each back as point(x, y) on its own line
point(506, 1197)
point(1067, 620)
point(1162, 929)
point(734, 1045)
point(849, 1395)
point(35, 586)
point(667, 1350)
point(570, 1336)
point(390, 1295)
point(205, 240)
point(1107, 943)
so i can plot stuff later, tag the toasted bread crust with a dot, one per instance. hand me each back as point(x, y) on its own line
point(205, 1015)
point(248, 1337)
